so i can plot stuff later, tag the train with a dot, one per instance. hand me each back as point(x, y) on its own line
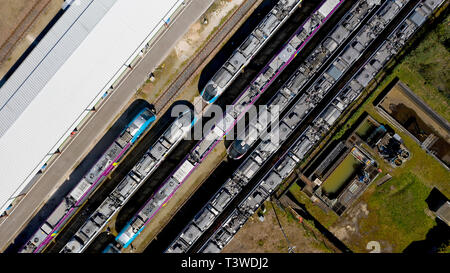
point(268, 74)
point(378, 21)
point(248, 49)
point(151, 160)
point(89, 182)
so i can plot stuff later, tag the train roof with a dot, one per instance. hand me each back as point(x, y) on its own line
point(327, 7)
point(211, 248)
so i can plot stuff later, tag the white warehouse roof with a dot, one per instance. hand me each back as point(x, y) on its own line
point(65, 74)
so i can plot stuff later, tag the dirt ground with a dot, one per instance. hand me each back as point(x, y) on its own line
point(266, 237)
point(21, 21)
point(396, 97)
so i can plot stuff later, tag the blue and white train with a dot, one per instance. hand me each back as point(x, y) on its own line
point(104, 166)
point(151, 160)
point(248, 49)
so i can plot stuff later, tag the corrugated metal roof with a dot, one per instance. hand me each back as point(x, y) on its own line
point(66, 72)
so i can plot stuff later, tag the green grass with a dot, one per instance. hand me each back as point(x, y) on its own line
point(397, 209)
point(431, 50)
point(425, 70)
point(444, 249)
point(397, 216)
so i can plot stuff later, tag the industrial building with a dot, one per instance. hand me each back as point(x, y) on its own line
point(78, 62)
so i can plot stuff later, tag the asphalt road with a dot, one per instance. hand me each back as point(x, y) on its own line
point(86, 138)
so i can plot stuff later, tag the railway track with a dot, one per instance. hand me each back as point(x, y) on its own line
point(298, 132)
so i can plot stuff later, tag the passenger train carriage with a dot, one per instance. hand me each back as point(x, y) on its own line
point(151, 160)
point(223, 126)
point(104, 166)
